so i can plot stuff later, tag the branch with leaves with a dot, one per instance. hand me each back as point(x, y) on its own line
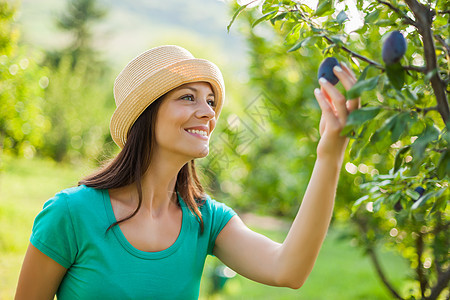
point(397, 121)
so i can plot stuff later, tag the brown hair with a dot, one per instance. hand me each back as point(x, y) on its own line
point(133, 160)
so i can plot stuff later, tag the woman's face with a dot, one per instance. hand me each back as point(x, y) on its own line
point(185, 121)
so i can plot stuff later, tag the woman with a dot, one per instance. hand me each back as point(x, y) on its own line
point(141, 227)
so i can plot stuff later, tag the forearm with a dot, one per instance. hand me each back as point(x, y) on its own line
point(299, 251)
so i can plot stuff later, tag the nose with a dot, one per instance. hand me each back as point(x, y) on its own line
point(205, 111)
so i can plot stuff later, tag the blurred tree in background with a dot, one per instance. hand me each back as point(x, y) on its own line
point(395, 188)
point(22, 84)
point(77, 21)
point(78, 96)
point(54, 104)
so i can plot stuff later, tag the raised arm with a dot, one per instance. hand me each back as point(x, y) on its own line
point(289, 264)
point(40, 276)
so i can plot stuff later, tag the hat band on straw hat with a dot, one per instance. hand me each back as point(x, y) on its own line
point(158, 84)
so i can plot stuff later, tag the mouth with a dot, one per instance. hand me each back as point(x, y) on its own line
point(200, 132)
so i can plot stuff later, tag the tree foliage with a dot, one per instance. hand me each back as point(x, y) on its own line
point(395, 190)
point(53, 104)
point(22, 84)
point(78, 96)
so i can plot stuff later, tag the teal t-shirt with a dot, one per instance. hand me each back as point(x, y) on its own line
point(71, 229)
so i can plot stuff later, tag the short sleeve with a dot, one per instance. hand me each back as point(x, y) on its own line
point(53, 233)
point(220, 215)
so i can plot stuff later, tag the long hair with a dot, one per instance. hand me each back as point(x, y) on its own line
point(133, 160)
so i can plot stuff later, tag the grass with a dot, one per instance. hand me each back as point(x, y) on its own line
point(341, 271)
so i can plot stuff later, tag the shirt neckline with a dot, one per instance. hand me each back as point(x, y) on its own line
point(139, 253)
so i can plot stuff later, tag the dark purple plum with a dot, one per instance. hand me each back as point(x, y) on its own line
point(394, 47)
point(420, 190)
point(326, 70)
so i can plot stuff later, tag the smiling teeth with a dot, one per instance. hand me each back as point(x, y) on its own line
point(201, 132)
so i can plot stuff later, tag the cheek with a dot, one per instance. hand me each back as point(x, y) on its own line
point(213, 124)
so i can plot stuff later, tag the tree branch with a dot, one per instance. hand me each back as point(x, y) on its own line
point(419, 269)
point(443, 43)
point(362, 224)
point(363, 58)
point(424, 20)
point(416, 68)
point(407, 19)
point(380, 272)
point(442, 283)
point(426, 109)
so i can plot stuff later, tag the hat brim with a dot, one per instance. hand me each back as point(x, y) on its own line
point(158, 84)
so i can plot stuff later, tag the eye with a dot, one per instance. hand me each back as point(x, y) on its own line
point(211, 102)
point(190, 97)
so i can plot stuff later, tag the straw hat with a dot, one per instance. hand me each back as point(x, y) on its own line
point(153, 74)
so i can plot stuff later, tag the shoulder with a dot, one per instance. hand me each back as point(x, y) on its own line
point(74, 197)
point(80, 191)
point(214, 208)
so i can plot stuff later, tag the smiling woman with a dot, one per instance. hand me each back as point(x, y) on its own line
point(142, 226)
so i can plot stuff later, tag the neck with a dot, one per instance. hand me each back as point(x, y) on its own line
point(158, 183)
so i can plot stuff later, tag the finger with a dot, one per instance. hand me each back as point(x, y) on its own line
point(325, 106)
point(347, 81)
point(337, 98)
point(348, 71)
point(328, 98)
point(353, 104)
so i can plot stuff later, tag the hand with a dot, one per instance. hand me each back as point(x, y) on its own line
point(335, 109)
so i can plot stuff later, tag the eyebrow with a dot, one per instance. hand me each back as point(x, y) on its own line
point(192, 89)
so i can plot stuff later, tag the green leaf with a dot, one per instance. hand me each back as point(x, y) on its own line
point(278, 18)
point(317, 30)
point(394, 198)
point(264, 17)
point(443, 167)
point(411, 95)
point(299, 44)
point(236, 13)
point(372, 17)
point(385, 22)
point(378, 139)
point(324, 7)
point(341, 17)
point(402, 122)
point(377, 204)
point(413, 194)
point(399, 157)
point(357, 146)
point(269, 6)
point(359, 116)
point(429, 135)
point(360, 200)
point(364, 72)
point(396, 75)
point(362, 86)
point(441, 203)
point(425, 197)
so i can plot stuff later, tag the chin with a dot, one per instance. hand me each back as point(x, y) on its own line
point(202, 153)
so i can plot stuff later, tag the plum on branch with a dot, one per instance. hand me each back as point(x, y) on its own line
point(394, 47)
point(326, 70)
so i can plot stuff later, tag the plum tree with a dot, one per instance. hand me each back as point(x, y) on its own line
point(400, 136)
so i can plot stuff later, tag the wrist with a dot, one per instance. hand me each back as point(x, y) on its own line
point(330, 160)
